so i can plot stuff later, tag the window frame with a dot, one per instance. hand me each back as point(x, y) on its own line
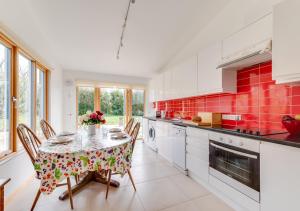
point(15, 50)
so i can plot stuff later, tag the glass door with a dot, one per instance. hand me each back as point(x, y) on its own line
point(112, 104)
point(40, 98)
point(5, 95)
point(25, 93)
point(85, 100)
point(138, 107)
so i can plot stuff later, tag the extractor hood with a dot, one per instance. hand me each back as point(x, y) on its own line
point(257, 54)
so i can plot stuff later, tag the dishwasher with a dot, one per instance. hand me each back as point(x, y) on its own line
point(179, 147)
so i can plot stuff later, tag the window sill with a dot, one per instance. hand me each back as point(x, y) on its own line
point(10, 156)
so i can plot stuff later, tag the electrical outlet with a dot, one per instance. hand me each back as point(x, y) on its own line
point(231, 117)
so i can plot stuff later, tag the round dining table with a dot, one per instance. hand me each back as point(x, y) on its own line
point(85, 155)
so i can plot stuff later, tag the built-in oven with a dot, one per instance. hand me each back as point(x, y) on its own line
point(236, 166)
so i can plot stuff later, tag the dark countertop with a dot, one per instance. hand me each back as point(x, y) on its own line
point(283, 139)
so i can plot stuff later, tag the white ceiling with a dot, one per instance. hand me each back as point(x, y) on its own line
point(84, 34)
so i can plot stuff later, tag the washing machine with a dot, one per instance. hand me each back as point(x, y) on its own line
point(151, 140)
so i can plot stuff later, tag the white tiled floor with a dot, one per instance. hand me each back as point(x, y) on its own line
point(159, 187)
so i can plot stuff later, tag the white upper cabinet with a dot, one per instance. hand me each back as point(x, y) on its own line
point(151, 90)
point(160, 87)
point(286, 45)
point(250, 39)
point(210, 79)
point(156, 88)
point(184, 78)
point(168, 95)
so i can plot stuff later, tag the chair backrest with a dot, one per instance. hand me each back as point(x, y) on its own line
point(129, 125)
point(29, 140)
point(47, 129)
point(134, 133)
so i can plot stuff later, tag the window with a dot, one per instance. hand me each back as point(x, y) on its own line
point(118, 104)
point(40, 98)
point(86, 99)
point(112, 104)
point(5, 94)
point(23, 94)
point(138, 107)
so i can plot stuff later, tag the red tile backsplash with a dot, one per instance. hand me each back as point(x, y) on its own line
point(259, 101)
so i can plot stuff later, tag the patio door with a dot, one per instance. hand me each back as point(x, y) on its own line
point(5, 103)
point(113, 105)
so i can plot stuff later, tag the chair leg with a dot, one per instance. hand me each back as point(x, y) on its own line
point(70, 192)
point(77, 179)
point(108, 183)
point(131, 179)
point(36, 199)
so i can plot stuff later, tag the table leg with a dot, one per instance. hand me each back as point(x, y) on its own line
point(91, 176)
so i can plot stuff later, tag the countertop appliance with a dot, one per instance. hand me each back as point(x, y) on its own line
point(179, 147)
point(236, 162)
point(151, 142)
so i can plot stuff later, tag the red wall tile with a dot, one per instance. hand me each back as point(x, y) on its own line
point(259, 101)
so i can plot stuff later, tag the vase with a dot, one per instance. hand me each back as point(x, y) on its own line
point(91, 130)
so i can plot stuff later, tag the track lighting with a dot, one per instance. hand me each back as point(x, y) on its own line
point(121, 44)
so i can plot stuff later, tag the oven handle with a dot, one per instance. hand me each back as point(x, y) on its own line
point(233, 151)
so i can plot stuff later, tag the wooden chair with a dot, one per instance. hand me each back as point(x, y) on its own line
point(129, 126)
point(31, 144)
point(47, 129)
point(134, 133)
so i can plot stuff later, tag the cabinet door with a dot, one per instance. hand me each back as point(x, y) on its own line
point(151, 88)
point(159, 87)
point(286, 42)
point(197, 156)
point(209, 77)
point(244, 41)
point(184, 78)
point(163, 140)
point(279, 176)
point(168, 84)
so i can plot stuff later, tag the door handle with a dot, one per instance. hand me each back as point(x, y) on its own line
point(15, 101)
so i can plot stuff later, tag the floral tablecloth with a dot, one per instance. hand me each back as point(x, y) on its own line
point(56, 162)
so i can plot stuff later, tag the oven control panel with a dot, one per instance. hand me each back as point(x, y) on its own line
point(236, 141)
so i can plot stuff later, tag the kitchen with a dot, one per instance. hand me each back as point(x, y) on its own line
point(150, 105)
point(244, 88)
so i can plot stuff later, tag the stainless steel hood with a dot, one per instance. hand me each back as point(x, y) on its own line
point(248, 58)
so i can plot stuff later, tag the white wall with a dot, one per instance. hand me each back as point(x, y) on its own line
point(56, 99)
point(69, 90)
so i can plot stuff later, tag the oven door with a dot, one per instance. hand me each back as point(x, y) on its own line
point(237, 167)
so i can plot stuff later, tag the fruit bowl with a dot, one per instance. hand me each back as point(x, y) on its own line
point(292, 125)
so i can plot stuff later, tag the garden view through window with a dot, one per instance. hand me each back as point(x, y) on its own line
point(85, 99)
point(112, 102)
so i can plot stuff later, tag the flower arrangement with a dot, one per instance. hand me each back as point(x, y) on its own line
point(92, 118)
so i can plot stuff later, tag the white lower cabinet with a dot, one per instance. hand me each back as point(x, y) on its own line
point(280, 177)
point(197, 153)
point(164, 140)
